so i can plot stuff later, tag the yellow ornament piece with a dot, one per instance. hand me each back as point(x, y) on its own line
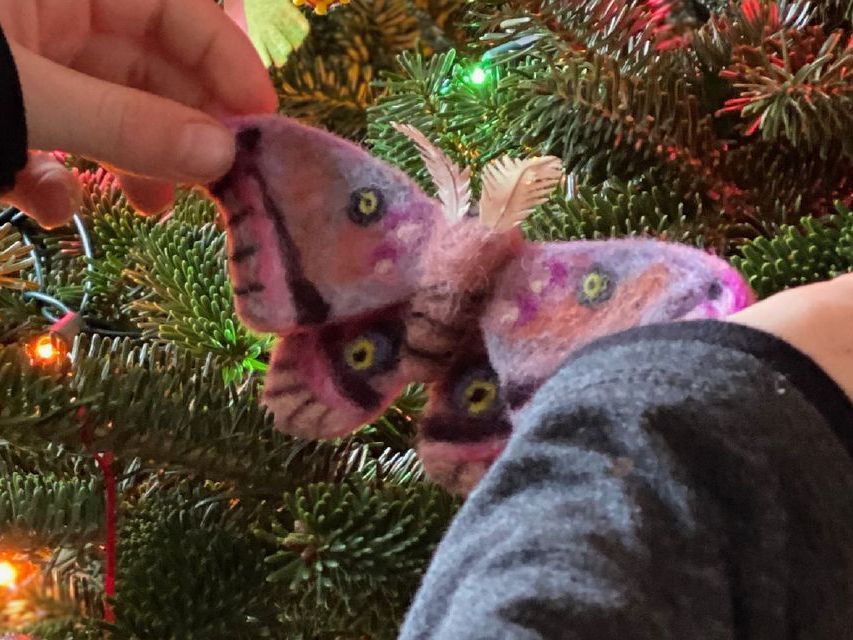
point(275, 27)
point(321, 7)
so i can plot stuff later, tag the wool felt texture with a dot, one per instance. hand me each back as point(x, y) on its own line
point(688, 480)
point(371, 285)
point(13, 140)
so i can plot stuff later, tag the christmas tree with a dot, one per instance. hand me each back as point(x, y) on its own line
point(143, 490)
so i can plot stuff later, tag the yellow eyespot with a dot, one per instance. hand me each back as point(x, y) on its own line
point(368, 203)
point(596, 286)
point(360, 354)
point(367, 206)
point(480, 395)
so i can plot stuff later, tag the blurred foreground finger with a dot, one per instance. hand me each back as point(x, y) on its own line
point(46, 191)
point(147, 196)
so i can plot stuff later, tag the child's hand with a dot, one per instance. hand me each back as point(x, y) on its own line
point(816, 319)
point(132, 84)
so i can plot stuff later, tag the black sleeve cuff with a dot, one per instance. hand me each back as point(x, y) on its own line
point(13, 141)
point(817, 387)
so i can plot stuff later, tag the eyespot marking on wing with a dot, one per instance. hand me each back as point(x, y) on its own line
point(596, 286)
point(367, 206)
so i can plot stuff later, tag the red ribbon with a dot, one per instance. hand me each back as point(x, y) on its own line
point(105, 464)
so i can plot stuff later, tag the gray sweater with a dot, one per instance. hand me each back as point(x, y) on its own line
point(688, 481)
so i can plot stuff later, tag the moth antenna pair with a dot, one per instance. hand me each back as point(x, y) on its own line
point(512, 188)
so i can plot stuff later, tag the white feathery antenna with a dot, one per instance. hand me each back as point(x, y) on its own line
point(453, 184)
point(513, 188)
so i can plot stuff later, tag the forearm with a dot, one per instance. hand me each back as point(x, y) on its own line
point(13, 130)
point(655, 488)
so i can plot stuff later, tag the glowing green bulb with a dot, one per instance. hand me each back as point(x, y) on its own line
point(478, 75)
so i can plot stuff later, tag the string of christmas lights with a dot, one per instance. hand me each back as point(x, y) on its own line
point(52, 349)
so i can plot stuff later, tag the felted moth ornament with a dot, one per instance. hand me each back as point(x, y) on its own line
point(372, 285)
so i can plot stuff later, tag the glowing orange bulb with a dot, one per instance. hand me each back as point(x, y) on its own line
point(8, 575)
point(47, 349)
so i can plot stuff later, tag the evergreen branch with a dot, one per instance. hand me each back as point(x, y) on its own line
point(634, 34)
point(436, 96)
point(656, 117)
point(792, 182)
point(332, 92)
point(606, 125)
point(46, 459)
point(797, 87)
point(387, 28)
point(14, 258)
point(441, 24)
point(188, 571)
point(350, 556)
point(396, 428)
point(329, 81)
point(619, 209)
point(747, 26)
point(188, 298)
point(411, 96)
point(819, 249)
point(31, 401)
point(20, 319)
point(192, 208)
point(115, 231)
point(62, 605)
point(170, 409)
point(38, 510)
point(66, 628)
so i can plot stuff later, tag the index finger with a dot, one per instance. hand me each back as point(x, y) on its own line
point(200, 37)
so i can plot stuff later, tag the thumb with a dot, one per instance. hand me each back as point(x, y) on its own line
point(134, 131)
point(46, 191)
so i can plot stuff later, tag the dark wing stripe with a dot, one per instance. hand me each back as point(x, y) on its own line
point(322, 419)
point(460, 430)
point(284, 365)
point(238, 218)
point(311, 308)
point(425, 354)
point(252, 287)
point(243, 252)
point(300, 408)
point(288, 390)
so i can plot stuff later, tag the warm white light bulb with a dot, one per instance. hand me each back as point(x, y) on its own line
point(8, 575)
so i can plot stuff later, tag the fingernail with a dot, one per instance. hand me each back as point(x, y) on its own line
point(205, 152)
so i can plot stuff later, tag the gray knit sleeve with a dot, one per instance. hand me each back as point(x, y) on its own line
point(693, 481)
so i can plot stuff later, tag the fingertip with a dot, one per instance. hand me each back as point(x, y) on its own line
point(54, 206)
point(205, 151)
point(57, 206)
point(259, 98)
point(47, 192)
point(268, 100)
point(148, 197)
